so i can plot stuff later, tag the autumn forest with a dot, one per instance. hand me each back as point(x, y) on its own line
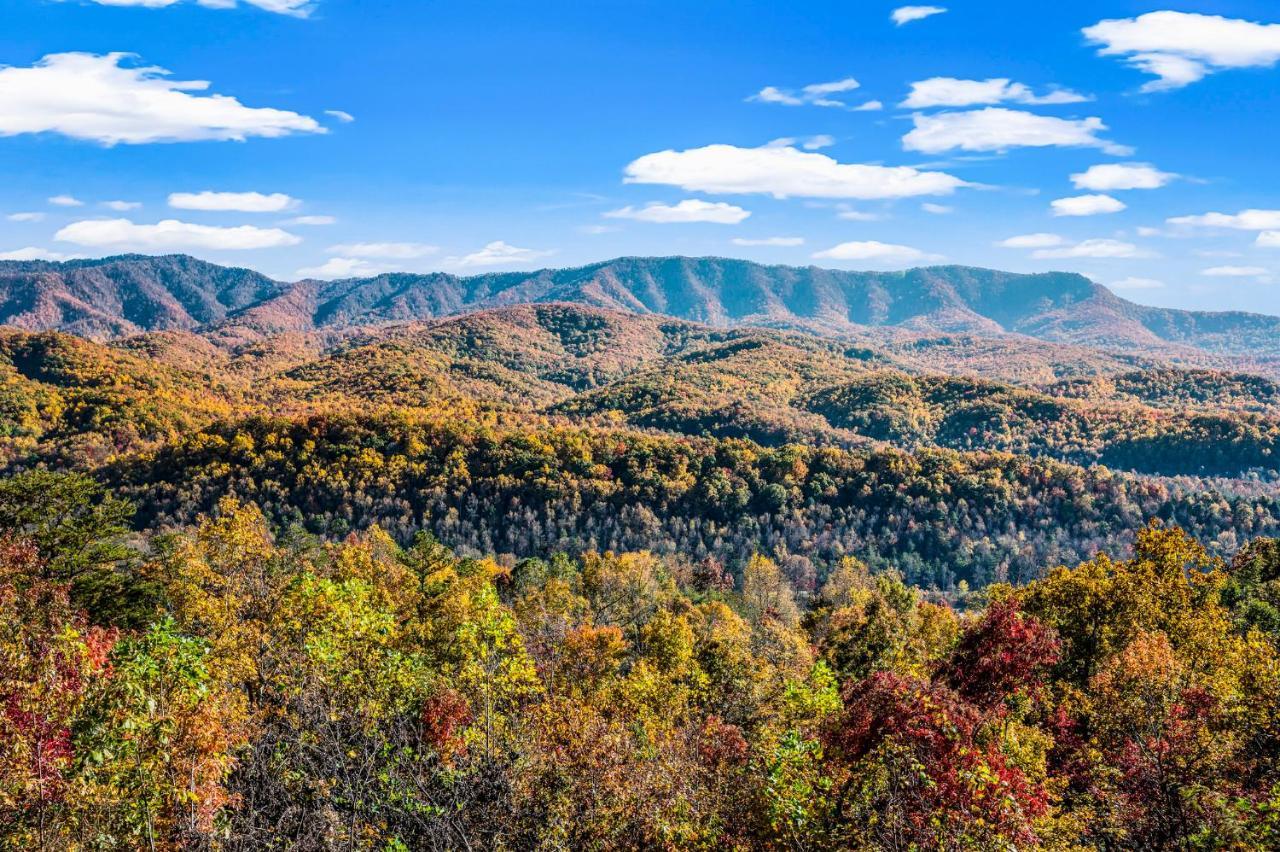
point(381, 565)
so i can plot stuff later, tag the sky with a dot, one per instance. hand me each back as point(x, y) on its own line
point(1133, 142)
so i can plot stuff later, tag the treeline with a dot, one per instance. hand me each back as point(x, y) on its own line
point(244, 690)
point(936, 516)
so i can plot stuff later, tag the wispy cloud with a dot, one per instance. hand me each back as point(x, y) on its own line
point(688, 211)
point(907, 14)
point(498, 253)
point(814, 94)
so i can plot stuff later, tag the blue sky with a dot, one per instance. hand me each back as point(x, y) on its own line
point(507, 135)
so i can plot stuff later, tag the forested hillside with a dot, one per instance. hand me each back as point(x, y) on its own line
point(349, 566)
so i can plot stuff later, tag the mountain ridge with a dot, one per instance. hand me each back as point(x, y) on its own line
point(129, 294)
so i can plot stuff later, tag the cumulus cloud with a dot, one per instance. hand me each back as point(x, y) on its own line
point(1245, 220)
point(389, 251)
point(25, 217)
point(65, 200)
point(815, 94)
point(1086, 205)
point(1235, 271)
point(1180, 48)
point(907, 14)
point(951, 92)
point(171, 235)
point(310, 220)
point(1032, 241)
point(869, 106)
point(497, 253)
point(1269, 239)
point(814, 143)
point(784, 172)
point(33, 253)
point(1092, 249)
point(1113, 176)
point(769, 241)
point(122, 206)
point(340, 267)
point(296, 8)
point(243, 202)
point(689, 210)
point(99, 98)
point(872, 252)
point(936, 209)
point(998, 129)
point(1133, 283)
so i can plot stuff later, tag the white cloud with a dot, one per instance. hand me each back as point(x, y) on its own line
point(1181, 48)
point(998, 129)
point(784, 172)
point(171, 235)
point(1092, 249)
point(907, 14)
point(340, 267)
point(122, 206)
point(814, 143)
point(1148, 231)
point(951, 92)
point(1234, 271)
point(858, 216)
point(1113, 176)
point(769, 241)
point(86, 96)
point(1137, 284)
point(815, 94)
point(1269, 239)
point(1245, 220)
point(342, 115)
point(390, 251)
point(244, 202)
point(774, 95)
point(25, 217)
point(33, 253)
point(937, 209)
point(687, 211)
point(1032, 241)
point(872, 251)
point(310, 220)
point(497, 253)
point(821, 90)
point(597, 230)
point(869, 106)
point(63, 200)
point(1086, 205)
point(296, 8)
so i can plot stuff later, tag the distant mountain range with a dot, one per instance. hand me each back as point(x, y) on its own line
point(121, 296)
